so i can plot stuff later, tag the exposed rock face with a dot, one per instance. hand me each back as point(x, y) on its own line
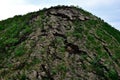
point(70, 14)
point(64, 46)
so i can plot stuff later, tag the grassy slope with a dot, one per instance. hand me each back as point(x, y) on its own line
point(14, 31)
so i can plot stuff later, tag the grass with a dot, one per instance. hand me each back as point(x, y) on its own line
point(13, 31)
point(112, 74)
point(78, 29)
point(112, 31)
point(20, 50)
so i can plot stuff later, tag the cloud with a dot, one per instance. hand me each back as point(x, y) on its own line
point(9, 8)
point(97, 3)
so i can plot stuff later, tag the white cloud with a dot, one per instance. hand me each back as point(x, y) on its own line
point(95, 3)
point(9, 8)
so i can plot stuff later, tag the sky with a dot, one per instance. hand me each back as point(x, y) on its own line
point(108, 10)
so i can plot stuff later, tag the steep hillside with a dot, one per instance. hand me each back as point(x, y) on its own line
point(59, 43)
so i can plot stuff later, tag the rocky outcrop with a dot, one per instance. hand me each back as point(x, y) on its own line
point(70, 14)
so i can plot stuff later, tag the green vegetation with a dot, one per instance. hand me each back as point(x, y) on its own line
point(20, 50)
point(52, 45)
point(15, 31)
point(78, 29)
point(112, 31)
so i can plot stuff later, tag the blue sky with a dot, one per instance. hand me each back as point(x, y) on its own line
point(109, 10)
